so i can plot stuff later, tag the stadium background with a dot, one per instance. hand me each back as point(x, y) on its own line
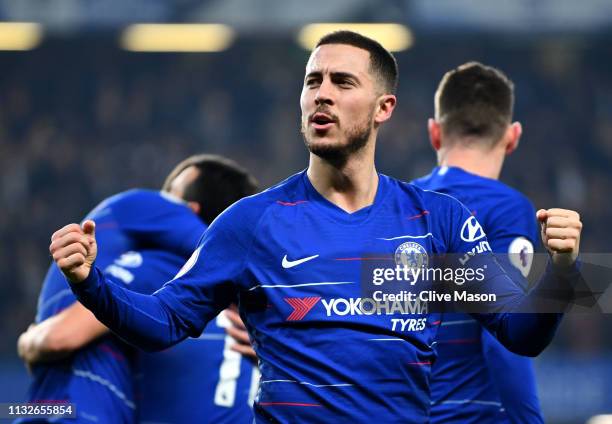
point(81, 119)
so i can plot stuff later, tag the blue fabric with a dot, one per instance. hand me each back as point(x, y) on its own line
point(296, 263)
point(475, 379)
point(98, 377)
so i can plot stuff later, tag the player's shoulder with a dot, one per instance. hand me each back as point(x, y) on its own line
point(431, 199)
point(249, 210)
point(425, 180)
point(520, 200)
point(137, 199)
point(505, 200)
point(465, 184)
point(132, 195)
point(498, 191)
point(287, 189)
point(509, 212)
point(445, 215)
point(510, 194)
point(148, 197)
point(481, 193)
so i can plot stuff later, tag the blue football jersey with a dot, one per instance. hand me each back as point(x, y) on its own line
point(475, 379)
point(331, 346)
point(130, 220)
point(199, 380)
point(98, 377)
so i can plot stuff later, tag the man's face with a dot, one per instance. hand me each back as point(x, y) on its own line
point(182, 181)
point(338, 101)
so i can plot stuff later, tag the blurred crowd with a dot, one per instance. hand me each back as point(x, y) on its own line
point(81, 120)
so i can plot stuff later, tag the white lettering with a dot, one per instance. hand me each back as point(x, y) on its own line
point(403, 304)
point(409, 324)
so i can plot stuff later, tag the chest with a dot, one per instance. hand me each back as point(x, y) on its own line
point(339, 269)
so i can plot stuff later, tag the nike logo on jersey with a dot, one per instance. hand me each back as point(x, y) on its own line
point(290, 264)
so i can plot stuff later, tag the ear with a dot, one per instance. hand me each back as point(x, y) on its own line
point(194, 206)
point(384, 110)
point(513, 136)
point(435, 133)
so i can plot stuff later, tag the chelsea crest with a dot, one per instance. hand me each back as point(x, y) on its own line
point(411, 255)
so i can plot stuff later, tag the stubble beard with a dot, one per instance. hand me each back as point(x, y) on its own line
point(338, 155)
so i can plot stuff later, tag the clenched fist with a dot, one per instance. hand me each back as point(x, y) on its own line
point(561, 234)
point(74, 250)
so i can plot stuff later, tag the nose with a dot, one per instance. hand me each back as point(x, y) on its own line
point(324, 93)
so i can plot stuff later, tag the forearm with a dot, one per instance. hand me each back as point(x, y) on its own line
point(522, 333)
point(39, 345)
point(527, 325)
point(142, 320)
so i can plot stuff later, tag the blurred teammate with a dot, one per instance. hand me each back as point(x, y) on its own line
point(475, 379)
point(144, 236)
point(295, 254)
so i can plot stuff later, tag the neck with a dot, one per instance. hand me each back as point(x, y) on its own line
point(351, 186)
point(474, 160)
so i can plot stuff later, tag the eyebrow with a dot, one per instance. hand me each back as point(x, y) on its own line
point(337, 74)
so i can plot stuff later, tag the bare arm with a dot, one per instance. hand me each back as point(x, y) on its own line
point(239, 333)
point(60, 335)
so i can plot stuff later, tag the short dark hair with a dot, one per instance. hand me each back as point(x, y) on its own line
point(220, 182)
point(475, 100)
point(382, 62)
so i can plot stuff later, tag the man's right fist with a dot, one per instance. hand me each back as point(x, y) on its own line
point(74, 250)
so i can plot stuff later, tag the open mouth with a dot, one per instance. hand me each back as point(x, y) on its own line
point(322, 121)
